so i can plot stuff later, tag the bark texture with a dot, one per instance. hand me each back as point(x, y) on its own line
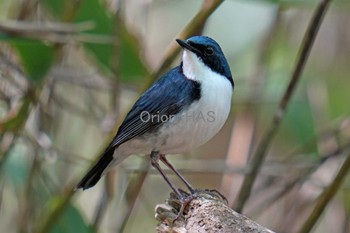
point(207, 212)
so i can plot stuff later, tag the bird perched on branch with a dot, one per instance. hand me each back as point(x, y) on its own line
point(184, 109)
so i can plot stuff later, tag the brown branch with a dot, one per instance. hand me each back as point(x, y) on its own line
point(132, 193)
point(262, 148)
point(54, 32)
point(207, 212)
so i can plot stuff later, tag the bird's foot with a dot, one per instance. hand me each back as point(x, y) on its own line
point(182, 201)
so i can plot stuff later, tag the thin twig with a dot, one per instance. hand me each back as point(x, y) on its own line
point(55, 32)
point(303, 176)
point(264, 145)
point(132, 192)
point(58, 210)
point(29, 27)
point(108, 191)
point(326, 196)
point(195, 26)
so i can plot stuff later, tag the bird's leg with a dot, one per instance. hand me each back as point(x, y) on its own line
point(171, 167)
point(184, 200)
point(155, 164)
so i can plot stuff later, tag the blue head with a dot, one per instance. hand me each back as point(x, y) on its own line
point(209, 52)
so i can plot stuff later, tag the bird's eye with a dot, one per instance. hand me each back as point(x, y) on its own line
point(209, 51)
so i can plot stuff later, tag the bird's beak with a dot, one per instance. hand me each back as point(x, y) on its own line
point(184, 44)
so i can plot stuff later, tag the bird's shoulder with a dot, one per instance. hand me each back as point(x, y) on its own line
point(172, 87)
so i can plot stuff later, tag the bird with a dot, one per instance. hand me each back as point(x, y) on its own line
point(181, 111)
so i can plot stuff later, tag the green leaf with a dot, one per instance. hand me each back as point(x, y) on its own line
point(36, 57)
point(70, 222)
point(131, 65)
point(299, 120)
point(93, 10)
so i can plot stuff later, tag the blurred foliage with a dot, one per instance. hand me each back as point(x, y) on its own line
point(16, 121)
point(62, 92)
point(71, 221)
point(16, 167)
point(93, 10)
point(36, 68)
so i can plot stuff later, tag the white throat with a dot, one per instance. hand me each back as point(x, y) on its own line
point(193, 67)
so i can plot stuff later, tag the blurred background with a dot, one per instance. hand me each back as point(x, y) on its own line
point(70, 71)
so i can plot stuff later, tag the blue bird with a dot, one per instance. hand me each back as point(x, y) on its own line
point(184, 109)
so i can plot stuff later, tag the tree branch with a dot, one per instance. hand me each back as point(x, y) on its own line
point(207, 212)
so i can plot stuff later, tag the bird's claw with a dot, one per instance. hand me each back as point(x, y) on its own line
point(184, 200)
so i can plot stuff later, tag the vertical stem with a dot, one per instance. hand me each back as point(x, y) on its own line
point(115, 100)
point(264, 145)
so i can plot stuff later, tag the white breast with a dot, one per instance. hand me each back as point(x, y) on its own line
point(205, 117)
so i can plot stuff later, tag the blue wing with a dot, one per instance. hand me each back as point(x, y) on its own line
point(172, 93)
